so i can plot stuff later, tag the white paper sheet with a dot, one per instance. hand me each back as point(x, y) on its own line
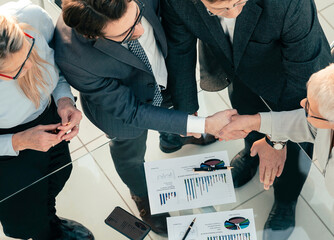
point(172, 184)
point(214, 226)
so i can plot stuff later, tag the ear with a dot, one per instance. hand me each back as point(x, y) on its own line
point(302, 103)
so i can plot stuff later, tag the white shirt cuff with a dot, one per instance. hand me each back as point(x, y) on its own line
point(195, 124)
point(266, 123)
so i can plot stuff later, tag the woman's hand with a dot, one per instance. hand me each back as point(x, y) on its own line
point(70, 119)
point(37, 138)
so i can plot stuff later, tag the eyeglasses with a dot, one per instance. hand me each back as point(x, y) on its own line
point(32, 40)
point(128, 36)
point(211, 165)
point(223, 10)
point(307, 110)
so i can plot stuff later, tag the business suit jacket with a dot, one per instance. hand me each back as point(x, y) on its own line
point(116, 88)
point(293, 125)
point(277, 45)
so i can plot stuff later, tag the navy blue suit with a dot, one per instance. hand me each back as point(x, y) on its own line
point(116, 91)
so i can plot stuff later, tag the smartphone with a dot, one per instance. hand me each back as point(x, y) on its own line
point(127, 224)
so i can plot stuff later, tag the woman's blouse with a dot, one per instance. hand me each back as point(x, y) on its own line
point(15, 107)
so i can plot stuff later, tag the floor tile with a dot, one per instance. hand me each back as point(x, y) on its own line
point(89, 197)
point(321, 4)
point(103, 159)
point(75, 144)
point(78, 153)
point(328, 29)
point(88, 131)
point(317, 196)
point(328, 14)
point(308, 226)
point(52, 9)
point(3, 236)
point(97, 143)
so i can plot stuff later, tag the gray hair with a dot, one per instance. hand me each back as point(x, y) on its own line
point(321, 88)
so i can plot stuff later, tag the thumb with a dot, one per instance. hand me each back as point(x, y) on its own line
point(64, 118)
point(232, 112)
point(253, 152)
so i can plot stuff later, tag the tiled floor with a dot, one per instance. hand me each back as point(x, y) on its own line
point(94, 188)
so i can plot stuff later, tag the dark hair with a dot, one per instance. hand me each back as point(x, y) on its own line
point(89, 17)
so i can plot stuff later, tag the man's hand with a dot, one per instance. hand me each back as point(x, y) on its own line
point(215, 122)
point(37, 138)
point(271, 161)
point(70, 119)
point(240, 126)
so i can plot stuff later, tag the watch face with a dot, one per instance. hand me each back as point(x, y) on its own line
point(278, 146)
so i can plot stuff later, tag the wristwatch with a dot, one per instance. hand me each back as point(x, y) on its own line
point(276, 145)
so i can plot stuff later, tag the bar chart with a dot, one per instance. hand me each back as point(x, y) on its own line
point(164, 197)
point(173, 184)
point(239, 236)
point(199, 186)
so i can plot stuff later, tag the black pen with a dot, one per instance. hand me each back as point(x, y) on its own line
point(211, 170)
point(189, 228)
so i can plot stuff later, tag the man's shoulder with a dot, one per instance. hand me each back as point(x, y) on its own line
point(67, 39)
point(62, 30)
point(278, 4)
point(183, 3)
point(272, 5)
point(263, 3)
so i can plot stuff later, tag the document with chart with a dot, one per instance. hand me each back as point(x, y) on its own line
point(174, 185)
point(229, 225)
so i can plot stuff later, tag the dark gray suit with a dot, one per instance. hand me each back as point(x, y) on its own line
point(116, 90)
point(277, 45)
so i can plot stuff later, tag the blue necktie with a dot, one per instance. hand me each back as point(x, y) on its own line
point(135, 47)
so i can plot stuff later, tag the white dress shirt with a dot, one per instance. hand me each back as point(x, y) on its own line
point(293, 125)
point(228, 25)
point(157, 61)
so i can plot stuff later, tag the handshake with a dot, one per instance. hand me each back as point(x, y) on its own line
point(229, 125)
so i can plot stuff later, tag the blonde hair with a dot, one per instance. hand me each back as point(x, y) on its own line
point(11, 41)
point(321, 87)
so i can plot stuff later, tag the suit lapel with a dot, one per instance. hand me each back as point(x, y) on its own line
point(215, 28)
point(120, 53)
point(244, 27)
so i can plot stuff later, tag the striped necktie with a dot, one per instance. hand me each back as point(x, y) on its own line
point(135, 47)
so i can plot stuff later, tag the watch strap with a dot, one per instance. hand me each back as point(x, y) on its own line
point(269, 142)
point(276, 145)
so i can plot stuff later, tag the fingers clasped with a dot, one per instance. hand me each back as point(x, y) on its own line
point(70, 117)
